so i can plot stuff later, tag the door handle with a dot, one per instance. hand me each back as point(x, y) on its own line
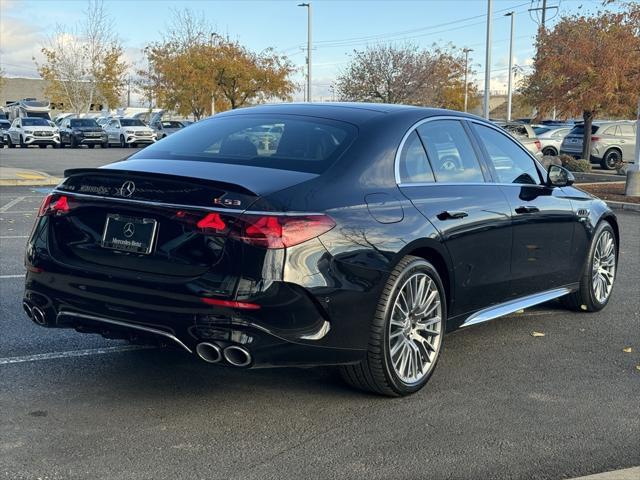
point(527, 209)
point(452, 215)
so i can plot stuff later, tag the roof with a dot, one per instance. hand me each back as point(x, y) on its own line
point(356, 113)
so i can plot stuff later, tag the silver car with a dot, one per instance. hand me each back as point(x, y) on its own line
point(164, 128)
point(525, 134)
point(551, 138)
point(612, 142)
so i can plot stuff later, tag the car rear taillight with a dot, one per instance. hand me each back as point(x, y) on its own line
point(280, 231)
point(212, 222)
point(268, 231)
point(538, 145)
point(54, 204)
point(595, 139)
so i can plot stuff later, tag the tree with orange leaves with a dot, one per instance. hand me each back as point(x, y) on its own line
point(588, 65)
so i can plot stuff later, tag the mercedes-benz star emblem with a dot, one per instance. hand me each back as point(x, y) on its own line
point(127, 188)
point(128, 230)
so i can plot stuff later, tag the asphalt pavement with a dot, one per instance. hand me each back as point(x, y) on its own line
point(501, 404)
point(55, 161)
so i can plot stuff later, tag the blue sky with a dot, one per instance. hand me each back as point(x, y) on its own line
point(339, 26)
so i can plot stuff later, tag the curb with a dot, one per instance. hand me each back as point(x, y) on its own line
point(26, 182)
point(633, 207)
point(625, 474)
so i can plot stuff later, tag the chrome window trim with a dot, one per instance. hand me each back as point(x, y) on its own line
point(413, 128)
point(461, 119)
point(462, 184)
point(179, 206)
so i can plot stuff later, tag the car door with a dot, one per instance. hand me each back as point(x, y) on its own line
point(64, 131)
point(627, 141)
point(113, 131)
point(543, 218)
point(14, 132)
point(439, 170)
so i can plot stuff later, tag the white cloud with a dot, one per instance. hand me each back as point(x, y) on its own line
point(20, 42)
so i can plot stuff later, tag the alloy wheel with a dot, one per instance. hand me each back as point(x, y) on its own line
point(415, 328)
point(613, 158)
point(604, 267)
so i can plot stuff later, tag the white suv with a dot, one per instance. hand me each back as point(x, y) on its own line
point(27, 131)
point(129, 132)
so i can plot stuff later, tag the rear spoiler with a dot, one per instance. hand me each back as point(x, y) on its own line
point(72, 172)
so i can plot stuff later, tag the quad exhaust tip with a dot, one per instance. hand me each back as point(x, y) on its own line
point(38, 316)
point(237, 356)
point(27, 309)
point(209, 352)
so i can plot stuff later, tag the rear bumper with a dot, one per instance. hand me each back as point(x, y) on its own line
point(290, 329)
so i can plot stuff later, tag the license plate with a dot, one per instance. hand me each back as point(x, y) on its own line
point(136, 235)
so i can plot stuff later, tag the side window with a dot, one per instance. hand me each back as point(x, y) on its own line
point(626, 130)
point(414, 165)
point(450, 152)
point(511, 163)
point(614, 131)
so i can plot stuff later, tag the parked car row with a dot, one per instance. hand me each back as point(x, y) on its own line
point(612, 141)
point(75, 132)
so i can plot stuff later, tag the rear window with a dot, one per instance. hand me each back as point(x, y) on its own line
point(541, 130)
point(286, 142)
point(579, 130)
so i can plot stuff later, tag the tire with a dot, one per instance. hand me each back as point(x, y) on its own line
point(610, 159)
point(123, 144)
point(42, 146)
point(91, 145)
point(550, 151)
point(379, 372)
point(73, 142)
point(61, 144)
point(10, 144)
point(105, 145)
point(22, 144)
point(586, 298)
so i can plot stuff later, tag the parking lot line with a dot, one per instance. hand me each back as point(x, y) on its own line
point(6, 237)
point(13, 202)
point(12, 276)
point(72, 353)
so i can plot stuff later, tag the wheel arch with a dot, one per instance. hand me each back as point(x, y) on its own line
point(613, 221)
point(435, 253)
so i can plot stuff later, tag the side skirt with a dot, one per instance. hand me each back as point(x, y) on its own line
point(512, 306)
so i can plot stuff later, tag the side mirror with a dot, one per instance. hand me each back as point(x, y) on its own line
point(558, 176)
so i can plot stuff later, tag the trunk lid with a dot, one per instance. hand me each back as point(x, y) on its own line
point(170, 209)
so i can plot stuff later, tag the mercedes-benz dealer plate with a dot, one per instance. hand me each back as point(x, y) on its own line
point(129, 234)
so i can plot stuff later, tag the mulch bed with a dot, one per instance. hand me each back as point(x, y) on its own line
point(609, 191)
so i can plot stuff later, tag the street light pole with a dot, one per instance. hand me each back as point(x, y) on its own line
point(309, 15)
point(487, 69)
point(632, 187)
point(466, 73)
point(509, 88)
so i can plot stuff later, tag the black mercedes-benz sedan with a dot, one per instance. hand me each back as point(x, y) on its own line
point(353, 235)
